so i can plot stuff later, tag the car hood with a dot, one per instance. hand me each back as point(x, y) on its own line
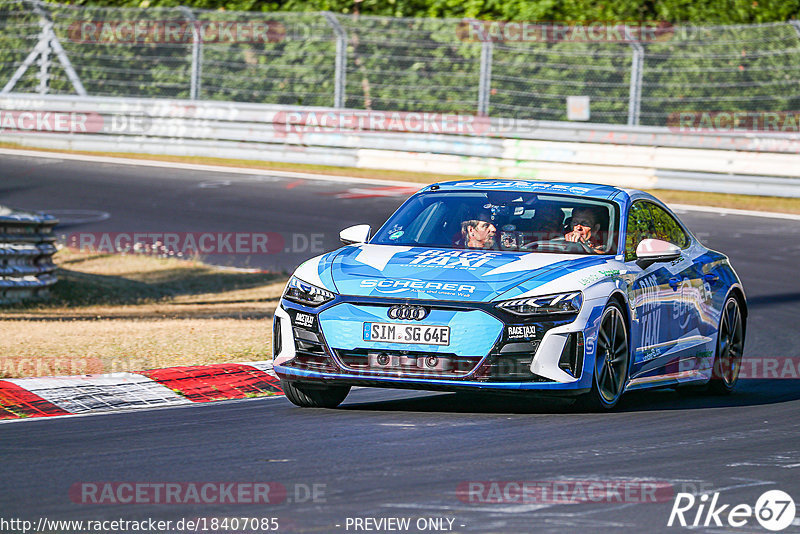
point(442, 274)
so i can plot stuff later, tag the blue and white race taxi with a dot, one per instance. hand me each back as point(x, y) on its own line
point(511, 287)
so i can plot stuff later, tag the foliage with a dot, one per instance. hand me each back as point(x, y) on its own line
point(431, 64)
point(700, 12)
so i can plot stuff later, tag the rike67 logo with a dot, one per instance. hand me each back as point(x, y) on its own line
point(774, 510)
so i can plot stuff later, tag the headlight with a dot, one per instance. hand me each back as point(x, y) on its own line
point(560, 304)
point(307, 294)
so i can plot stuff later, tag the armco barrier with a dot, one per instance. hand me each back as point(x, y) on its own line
point(26, 254)
point(760, 163)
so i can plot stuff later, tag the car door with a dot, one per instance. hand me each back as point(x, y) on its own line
point(665, 296)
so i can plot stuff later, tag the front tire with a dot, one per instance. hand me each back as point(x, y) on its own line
point(314, 397)
point(730, 349)
point(611, 361)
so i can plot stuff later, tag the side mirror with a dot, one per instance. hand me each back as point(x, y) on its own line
point(651, 251)
point(355, 234)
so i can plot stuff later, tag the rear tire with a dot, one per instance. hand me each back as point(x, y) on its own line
point(612, 356)
point(730, 349)
point(314, 397)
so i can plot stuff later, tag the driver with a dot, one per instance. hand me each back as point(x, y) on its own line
point(586, 230)
point(478, 232)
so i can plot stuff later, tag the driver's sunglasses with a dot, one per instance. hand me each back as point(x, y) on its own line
point(582, 222)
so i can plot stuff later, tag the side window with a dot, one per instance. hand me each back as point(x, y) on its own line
point(667, 228)
point(639, 227)
point(649, 221)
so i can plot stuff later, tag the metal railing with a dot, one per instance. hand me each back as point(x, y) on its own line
point(26, 254)
point(402, 64)
point(632, 156)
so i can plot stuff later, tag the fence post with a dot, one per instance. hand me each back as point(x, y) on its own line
point(796, 25)
point(485, 78)
point(197, 53)
point(55, 44)
point(635, 91)
point(341, 60)
point(44, 58)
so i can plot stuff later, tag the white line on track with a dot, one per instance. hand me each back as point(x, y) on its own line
point(206, 168)
point(732, 211)
point(325, 177)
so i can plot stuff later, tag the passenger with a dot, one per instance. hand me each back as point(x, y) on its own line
point(586, 230)
point(478, 232)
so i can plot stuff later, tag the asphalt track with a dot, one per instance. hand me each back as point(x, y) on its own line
point(393, 453)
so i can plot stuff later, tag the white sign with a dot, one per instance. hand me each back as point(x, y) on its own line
point(578, 108)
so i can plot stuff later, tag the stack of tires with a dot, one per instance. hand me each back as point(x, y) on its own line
point(27, 245)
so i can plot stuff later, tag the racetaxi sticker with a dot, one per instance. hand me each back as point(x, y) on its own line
point(521, 332)
point(650, 312)
point(304, 319)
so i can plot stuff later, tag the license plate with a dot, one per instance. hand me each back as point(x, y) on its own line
point(407, 333)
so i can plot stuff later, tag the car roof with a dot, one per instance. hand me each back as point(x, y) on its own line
point(636, 194)
point(583, 189)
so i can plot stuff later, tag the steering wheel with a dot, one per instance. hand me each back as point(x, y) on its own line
point(559, 244)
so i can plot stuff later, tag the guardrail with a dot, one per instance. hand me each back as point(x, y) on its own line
point(758, 163)
point(26, 254)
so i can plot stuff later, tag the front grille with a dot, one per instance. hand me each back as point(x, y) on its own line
point(407, 363)
point(511, 362)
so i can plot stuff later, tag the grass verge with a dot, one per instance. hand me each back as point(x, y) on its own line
point(112, 313)
point(722, 200)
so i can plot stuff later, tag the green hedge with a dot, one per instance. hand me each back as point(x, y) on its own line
point(699, 12)
point(427, 64)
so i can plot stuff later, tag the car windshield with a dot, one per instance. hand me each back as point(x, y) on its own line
point(504, 220)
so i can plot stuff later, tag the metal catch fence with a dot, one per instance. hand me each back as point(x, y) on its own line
point(631, 75)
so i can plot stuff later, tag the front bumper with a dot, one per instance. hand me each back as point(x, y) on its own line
point(489, 350)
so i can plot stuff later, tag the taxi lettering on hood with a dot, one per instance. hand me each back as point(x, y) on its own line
point(443, 274)
point(453, 259)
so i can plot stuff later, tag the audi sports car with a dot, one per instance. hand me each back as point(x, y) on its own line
point(512, 287)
